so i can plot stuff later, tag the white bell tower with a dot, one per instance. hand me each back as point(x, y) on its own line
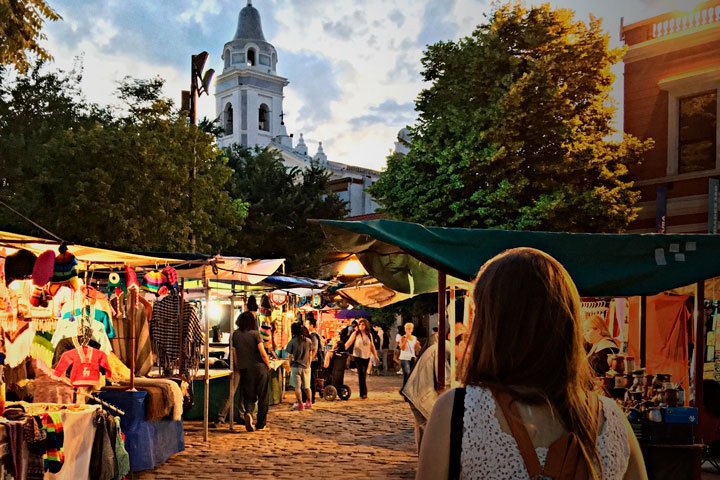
point(249, 93)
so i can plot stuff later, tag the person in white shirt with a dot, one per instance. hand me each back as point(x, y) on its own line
point(409, 349)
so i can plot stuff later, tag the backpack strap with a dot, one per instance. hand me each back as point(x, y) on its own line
point(456, 433)
point(519, 432)
point(564, 459)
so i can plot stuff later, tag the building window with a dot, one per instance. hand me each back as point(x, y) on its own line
point(264, 118)
point(228, 124)
point(697, 133)
point(251, 57)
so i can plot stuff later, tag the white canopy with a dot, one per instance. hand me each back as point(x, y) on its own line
point(85, 255)
point(239, 269)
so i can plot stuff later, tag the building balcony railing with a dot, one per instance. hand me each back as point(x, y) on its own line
point(667, 24)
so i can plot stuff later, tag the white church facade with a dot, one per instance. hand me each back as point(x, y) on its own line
point(249, 106)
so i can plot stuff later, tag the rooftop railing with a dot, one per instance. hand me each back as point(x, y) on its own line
point(705, 13)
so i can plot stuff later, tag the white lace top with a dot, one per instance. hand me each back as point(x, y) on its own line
point(490, 453)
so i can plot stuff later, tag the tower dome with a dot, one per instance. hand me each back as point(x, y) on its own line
point(249, 24)
point(248, 48)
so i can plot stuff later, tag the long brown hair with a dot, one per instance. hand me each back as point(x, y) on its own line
point(526, 338)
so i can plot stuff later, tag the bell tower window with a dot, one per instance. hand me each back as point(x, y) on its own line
point(228, 117)
point(227, 58)
point(251, 57)
point(263, 118)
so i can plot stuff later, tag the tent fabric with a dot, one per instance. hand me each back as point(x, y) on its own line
point(666, 338)
point(238, 269)
point(406, 256)
point(98, 257)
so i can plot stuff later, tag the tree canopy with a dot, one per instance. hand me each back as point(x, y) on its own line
point(21, 22)
point(281, 200)
point(119, 178)
point(513, 132)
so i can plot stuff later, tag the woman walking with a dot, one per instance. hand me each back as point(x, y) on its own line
point(409, 349)
point(253, 365)
point(363, 349)
point(527, 409)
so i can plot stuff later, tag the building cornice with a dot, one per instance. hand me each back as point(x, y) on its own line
point(676, 42)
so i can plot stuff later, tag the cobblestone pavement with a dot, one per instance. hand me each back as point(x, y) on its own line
point(357, 438)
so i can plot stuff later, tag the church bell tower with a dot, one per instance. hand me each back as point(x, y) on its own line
point(249, 93)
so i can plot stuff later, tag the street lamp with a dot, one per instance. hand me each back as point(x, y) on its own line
point(199, 84)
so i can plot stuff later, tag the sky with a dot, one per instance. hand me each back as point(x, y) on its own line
point(353, 65)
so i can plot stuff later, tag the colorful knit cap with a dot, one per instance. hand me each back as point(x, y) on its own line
point(116, 284)
point(44, 268)
point(152, 281)
point(65, 268)
point(171, 277)
point(19, 265)
point(131, 279)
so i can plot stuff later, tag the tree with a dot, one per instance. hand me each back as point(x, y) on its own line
point(20, 24)
point(513, 131)
point(108, 178)
point(281, 200)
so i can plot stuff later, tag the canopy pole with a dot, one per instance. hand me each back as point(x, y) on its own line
point(231, 358)
point(206, 401)
point(133, 347)
point(441, 330)
point(643, 329)
point(699, 352)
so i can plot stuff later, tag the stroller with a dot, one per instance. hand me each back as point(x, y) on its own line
point(329, 382)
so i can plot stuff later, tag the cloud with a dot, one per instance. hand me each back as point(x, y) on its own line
point(397, 17)
point(436, 25)
point(348, 27)
point(388, 113)
point(317, 89)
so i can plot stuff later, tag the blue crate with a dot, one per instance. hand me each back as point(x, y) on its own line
point(680, 415)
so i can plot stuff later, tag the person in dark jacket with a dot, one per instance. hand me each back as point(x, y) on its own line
point(601, 343)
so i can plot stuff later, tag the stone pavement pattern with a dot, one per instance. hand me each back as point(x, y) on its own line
point(371, 438)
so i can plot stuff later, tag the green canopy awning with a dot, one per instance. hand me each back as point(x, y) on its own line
point(406, 256)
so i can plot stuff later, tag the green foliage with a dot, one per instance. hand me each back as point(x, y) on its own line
point(20, 24)
point(410, 309)
point(513, 131)
point(280, 203)
point(94, 176)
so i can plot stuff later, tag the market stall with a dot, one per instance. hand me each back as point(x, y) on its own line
point(57, 318)
point(412, 259)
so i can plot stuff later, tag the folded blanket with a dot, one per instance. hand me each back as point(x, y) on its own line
point(157, 405)
point(171, 393)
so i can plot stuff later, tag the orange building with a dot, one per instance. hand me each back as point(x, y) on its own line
point(672, 76)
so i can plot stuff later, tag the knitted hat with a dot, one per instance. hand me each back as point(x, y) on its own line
point(152, 281)
point(171, 277)
point(65, 266)
point(116, 284)
point(43, 269)
point(131, 279)
point(19, 265)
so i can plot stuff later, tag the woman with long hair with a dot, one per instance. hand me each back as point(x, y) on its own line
point(527, 400)
point(363, 348)
point(253, 366)
point(601, 343)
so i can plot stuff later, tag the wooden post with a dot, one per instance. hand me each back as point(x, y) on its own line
point(699, 353)
point(643, 329)
point(206, 401)
point(441, 330)
point(231, 358)
point(133, 312)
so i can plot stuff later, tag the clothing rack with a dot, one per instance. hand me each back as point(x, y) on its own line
point(102, 402)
